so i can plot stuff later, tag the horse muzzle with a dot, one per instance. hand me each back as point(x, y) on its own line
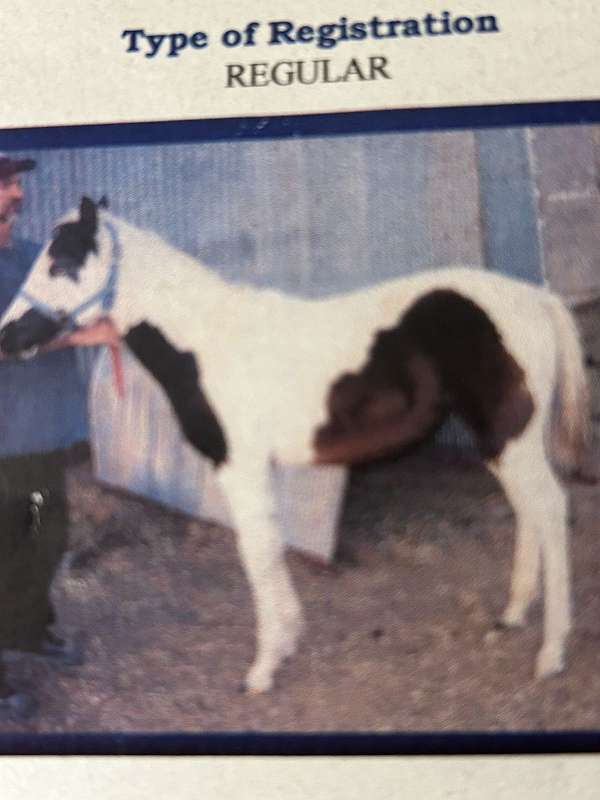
point(19, 337)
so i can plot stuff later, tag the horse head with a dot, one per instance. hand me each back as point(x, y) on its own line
point(70, 285)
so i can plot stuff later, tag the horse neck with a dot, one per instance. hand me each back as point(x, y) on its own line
point(161, 284)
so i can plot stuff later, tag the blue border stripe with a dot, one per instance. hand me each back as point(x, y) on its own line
point(353, 122)
point(288, 744)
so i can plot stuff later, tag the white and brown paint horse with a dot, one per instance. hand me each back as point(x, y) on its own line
point(336, 380)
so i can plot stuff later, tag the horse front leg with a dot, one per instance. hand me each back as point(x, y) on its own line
point(278, 616)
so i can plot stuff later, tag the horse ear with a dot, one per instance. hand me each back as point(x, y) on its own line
point(103, 202)
point(87, 212)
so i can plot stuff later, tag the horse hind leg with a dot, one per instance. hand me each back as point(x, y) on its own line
point(525, 574)
point(540, 508)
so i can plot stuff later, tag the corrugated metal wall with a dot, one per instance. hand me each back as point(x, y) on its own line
point(313, 215)
point(266, 212)
point(319, 215)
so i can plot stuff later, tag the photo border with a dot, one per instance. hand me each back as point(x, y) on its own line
point(474, 743)
point(301, 125)
point(277, 127)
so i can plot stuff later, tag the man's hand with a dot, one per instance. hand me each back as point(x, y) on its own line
point(101, 332)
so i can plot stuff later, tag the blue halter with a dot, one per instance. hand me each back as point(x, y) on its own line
point(104, 297)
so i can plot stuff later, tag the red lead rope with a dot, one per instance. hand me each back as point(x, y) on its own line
point(117, 369)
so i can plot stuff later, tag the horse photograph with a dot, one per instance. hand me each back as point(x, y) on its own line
point(331, 457)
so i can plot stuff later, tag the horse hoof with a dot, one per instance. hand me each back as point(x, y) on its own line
point(258, 681)
point(549, 662)
point(511, 619)
point(18, 704)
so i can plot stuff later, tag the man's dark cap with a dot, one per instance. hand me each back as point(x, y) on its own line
point(12, 166)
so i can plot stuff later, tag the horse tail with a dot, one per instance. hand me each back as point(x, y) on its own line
point(570, 424)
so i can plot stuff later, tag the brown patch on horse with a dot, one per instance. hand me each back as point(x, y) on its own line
point(367, 421)
point(445, 355)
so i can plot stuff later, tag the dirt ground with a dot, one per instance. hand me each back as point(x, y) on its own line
point(399, 630)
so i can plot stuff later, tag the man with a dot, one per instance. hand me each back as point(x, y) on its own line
point(42, 412)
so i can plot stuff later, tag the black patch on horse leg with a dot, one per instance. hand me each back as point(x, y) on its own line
point(178, 374)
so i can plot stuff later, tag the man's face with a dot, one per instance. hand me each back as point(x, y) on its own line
point(11, 198)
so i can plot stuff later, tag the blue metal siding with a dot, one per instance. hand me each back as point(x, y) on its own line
point(508, 204)
point(309, 216)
